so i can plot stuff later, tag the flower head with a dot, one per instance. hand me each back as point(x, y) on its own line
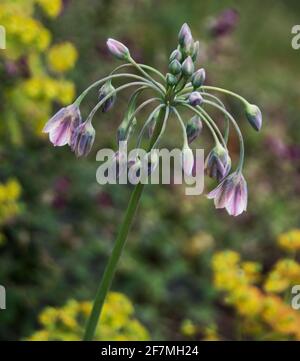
point(62, 124)
point(117, 49)
point(82, 139)
point(231, 194)
point(185, 38)
point(218, 163)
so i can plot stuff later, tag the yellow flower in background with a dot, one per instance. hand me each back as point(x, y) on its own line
point(10, 193)
point(62, 57)
point(51, 7)
point(265, 313)
point(290, 240)
point(67, 322)
point(188, 328)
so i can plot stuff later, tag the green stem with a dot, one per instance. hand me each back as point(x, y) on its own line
point(143, 66)
point(119, 243)
point(113, 76)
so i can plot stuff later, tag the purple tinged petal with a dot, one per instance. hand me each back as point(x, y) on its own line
point(54, 121)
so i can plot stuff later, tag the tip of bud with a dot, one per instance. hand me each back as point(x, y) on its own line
point(254, 116)
point(198, 78)
point(117, 49)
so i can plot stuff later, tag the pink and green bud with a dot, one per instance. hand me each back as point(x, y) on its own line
point(62, 124)
point(82, 139)
point(188, 67)
point(195, 98)
point(231, 194)
point(117, 49)
point(106, 89)
point(254, 116)
point(198, 78)
point(151, 162)
point(175, 67)
point(171, 79)
point(187, 160)
point(185, 39)
point(176, 55)
point(218, 163)
point(193, 128)
point(196, 49)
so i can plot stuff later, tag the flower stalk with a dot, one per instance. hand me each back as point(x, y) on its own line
point(182, 87)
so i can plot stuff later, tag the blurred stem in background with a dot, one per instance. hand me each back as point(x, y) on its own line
point(120, 240)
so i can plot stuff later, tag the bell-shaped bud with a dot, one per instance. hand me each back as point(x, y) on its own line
point(171, 79)
point(187, 160)
point(175, 55)
point(175, 67)
point(117, 49)
point(254, 116)
point(196, 48)
point(193, 128)
point(82, 139)
point(106, 89)
point(198, 78)
point(135, 170)
point(150, 162)
point(188, 67)
point(195, 99)
point(218, 163)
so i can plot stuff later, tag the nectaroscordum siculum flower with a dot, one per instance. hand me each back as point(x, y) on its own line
point(182, 88)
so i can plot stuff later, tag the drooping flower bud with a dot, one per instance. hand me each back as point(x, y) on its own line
point(117, 49)
point(196, 49)
point(106, 89)
point(187, 160)
point(175, 67)
point(176, 54)
point(150, 162)
point(135, 170)
point(254, 116)
point(82, 139)
point(193, 128)
point(198, 78)
point(171, 79)
point(218, 163)
point(195, 99)
point(188, 67)
point(62, 124)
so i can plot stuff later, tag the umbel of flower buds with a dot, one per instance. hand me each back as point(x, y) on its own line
point(117, 49)
point(193, 128)
point(106, 89)
point(188, 67)
point(175, 67)
point(198, 78)
point(254, 116)
point(195, 99)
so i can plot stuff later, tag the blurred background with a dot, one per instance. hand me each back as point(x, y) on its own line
point(189, 271)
